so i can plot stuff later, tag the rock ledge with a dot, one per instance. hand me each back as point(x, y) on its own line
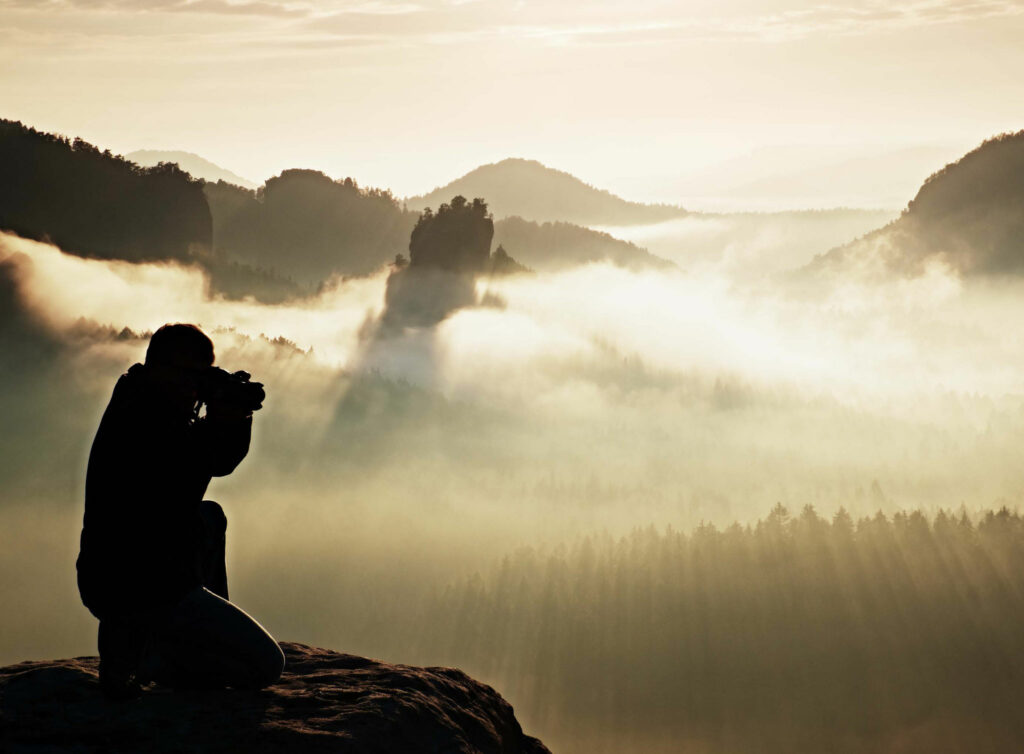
point(325, 702)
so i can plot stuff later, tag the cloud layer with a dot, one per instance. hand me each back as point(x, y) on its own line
point(601, 22)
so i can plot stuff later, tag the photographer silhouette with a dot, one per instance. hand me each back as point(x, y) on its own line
point(151, 565)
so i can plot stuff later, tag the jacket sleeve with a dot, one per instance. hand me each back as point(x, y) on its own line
point(222, 442)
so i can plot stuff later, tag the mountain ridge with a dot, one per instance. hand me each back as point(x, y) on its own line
point(191, 163)
point(274, 243)
point(533, 191)
point(968, 216)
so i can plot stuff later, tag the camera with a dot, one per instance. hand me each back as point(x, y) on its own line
point(231, 390)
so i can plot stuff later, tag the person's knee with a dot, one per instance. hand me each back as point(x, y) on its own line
point(214, 519)
point(270, 666)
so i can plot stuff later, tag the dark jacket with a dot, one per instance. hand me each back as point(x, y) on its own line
point(148, 471)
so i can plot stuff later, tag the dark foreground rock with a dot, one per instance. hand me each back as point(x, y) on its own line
point(326, 702)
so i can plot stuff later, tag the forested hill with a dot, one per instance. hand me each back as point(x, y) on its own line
point(96, 204)
point(309, 226)
point(276, 242)
point(528, 189)
point(969, 216)
point(553, 246)
point(796, 634)
point(303, 223)
point(192, 164)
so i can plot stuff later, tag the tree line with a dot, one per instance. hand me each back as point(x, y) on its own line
point(96, 204)
point(280, 241)
point(798, 631)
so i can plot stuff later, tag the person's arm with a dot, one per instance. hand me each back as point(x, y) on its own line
point(222, 440)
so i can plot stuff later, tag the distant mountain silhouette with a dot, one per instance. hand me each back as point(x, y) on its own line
point(528, 189)
point(969, 216)
point(96, 204)
point(503, 264)
point(556, 246)
point(780, 178)
point(309, 226)
point(92, 203)
point(274, 243)
point(191, 163)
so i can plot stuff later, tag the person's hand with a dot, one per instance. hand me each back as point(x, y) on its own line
point(218, 411)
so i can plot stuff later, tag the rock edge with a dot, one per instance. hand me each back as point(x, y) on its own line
point(325, 702)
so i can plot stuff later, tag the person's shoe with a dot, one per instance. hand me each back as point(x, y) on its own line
point(121, 642)
point(118, 686)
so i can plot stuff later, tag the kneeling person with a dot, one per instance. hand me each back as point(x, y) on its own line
point(151, 565)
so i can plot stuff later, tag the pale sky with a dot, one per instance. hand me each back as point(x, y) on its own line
point(630, 95)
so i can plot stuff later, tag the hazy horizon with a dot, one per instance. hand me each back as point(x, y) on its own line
point(660, 91)
point(772, 178)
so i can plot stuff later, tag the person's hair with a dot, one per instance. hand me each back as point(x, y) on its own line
point(179, 340)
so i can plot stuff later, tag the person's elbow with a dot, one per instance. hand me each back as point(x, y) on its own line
point(226, 465)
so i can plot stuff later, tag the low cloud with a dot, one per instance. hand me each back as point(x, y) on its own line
point(241, 7)
point(608, 23)
point(279, 8)
point(595, 399)
point(784, 25)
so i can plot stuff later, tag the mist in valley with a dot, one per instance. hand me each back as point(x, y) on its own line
point(397, 473)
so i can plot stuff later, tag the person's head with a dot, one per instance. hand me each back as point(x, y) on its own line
point(176, 357)
point(180, 345)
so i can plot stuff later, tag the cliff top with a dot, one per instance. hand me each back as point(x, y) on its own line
point(325, 702)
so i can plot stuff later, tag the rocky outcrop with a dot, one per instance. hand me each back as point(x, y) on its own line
point(423, 296)
point(447, 251)
point(325, 702)
point(456, 239)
